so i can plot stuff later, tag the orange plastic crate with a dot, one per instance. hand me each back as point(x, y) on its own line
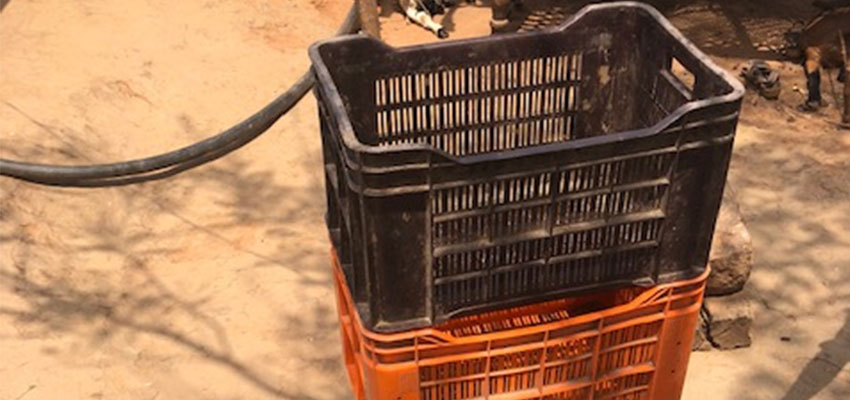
point(628, 344)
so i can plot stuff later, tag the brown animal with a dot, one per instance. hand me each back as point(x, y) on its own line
point(822, 43)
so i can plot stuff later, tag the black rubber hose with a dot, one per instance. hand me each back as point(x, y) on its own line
point(174, 161)
point(151, 176)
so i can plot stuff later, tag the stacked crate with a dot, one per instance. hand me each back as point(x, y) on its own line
point(524, 216)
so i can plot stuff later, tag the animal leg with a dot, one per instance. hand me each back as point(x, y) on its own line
point(812, 67)
point(499, 20)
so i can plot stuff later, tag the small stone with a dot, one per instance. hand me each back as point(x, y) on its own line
point(731, 256)
point(730, 320)
point(763, 49)
point(701, 342)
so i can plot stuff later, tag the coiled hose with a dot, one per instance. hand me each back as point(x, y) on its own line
point(176, 161)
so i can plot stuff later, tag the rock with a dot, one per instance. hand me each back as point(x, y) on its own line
point(763, 49)
point(701, 342)
point(729, 320)
point(731, 256)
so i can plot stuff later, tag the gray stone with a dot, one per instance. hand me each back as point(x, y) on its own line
point(701, 342)
point(731, 256)
point(729, 320)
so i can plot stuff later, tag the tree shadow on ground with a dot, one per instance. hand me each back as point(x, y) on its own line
point(823, 367)
point(57, 293)
point(58, 307)
point(790, 178)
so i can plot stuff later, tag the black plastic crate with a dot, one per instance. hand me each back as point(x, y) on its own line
point(469, 175)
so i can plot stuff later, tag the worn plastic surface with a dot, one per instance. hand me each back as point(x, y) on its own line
point(636, 345)
point(474, 175)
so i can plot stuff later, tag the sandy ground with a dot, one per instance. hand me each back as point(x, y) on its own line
point(215, 284)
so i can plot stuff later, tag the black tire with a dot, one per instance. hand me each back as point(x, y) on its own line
point(771, 92)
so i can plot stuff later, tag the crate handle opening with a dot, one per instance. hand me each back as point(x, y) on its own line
point(683, 74)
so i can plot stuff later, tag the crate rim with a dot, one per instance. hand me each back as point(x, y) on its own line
point(644, 297)
point(350, 140)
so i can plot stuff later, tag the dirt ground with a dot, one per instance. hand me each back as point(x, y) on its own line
point(215, 284)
